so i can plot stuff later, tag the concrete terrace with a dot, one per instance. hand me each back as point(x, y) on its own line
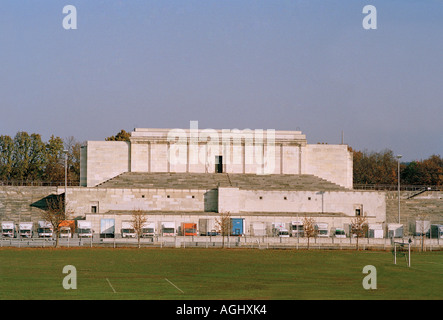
point(293, 182)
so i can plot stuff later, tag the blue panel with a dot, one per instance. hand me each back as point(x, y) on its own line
point(236, 226)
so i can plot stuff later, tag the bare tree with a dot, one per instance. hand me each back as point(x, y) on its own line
point(138, 221)
point(309, 228)
point(55, 213)
point(359, 227)
point(422, 223)
point(74, 148)
point(223, 224)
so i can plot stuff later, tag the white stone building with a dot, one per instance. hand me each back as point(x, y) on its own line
point(188, 175)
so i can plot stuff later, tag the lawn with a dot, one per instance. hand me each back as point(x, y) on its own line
point(197, 274)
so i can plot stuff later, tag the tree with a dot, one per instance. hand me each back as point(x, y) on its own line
point(309, 228)
point(223, 224)
point(74, 148)
point(37, 157)
point(21, 155)
point(433, 166)
point(422, 225)
point(55, 213)
point(6, 152)
point(374, 167)
point(411, 174)
point(54, 169)
point(359, 227)
point(139, 219)
point(121, 136)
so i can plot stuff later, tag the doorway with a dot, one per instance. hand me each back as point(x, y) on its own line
point(219, 164)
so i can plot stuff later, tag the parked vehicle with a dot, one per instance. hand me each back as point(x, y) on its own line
point(84, 229)
point(375, 230)
point(338, 233)
point(422, 227)
point(66, 228)
point(436, 231)
point(107, 228)
point(258, 229)
point(8, 230)
point(25, 229)
point(45, 229)
point(148, 230)
point(395, 230)
point(168, 229)
point(322, 230)
point(279, 230)
point(127, 230)
point(188, 229)
point(283, 233)
point(297, 229)
point(207, 227)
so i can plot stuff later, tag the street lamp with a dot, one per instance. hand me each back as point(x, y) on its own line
point(66, 177)
point(398, 178)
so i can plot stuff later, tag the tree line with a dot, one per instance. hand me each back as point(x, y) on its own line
point(382, 168)
point(26, 157)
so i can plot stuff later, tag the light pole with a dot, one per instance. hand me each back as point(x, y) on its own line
point(398, 178)
point(66, 177)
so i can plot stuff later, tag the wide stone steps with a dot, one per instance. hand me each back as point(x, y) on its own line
point(214, 180)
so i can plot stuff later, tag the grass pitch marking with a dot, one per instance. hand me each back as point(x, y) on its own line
point(175, 286)
point(111, 285)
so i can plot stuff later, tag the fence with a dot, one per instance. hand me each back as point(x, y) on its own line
point(390, 187)
point(37, 183)
point(262, 242)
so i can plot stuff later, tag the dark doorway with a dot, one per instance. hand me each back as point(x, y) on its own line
point(218, 164)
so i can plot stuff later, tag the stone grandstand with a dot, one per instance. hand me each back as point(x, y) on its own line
point(172, 180)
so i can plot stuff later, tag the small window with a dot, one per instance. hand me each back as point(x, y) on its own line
point(168, 196)
point(309, 198)
point(143, 195)
point(193, 197)
point(93, 209)
point(357, 212)
point(261, 198)
point(285, 198)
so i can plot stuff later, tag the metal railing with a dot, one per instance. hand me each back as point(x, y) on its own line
point(390, 187)
point(38, 183)
point(257, 242)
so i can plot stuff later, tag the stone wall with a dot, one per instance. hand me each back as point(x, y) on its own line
point(330, 162)
point(23, 203)
point(101, 200)
point(373, 204)
point(104, 160)
point(428, 205)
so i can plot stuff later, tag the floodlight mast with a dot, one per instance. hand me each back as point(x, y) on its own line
point(66, 177)
point(398, 178)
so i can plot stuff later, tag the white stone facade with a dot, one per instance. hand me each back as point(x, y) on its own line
point(197, 151)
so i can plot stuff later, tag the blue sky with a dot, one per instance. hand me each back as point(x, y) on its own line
point(258, 64)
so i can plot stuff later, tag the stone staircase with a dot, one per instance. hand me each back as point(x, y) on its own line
point(412, 209)
point(208, 181)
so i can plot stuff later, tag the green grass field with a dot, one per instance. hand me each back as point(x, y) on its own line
point(197, 274)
